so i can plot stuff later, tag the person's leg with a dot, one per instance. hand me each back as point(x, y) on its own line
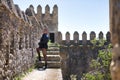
point(44, 51)
point(38, 51)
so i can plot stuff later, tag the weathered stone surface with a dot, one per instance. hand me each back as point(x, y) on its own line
point(108, 37)
point(59, 40)
point(115, 38)
point(39, 13)
point(84, 38)
point(76, 60)
point(67, 37)
point(115, 63)
point(92, 35)
point(28, 12)
point(19, 35)
point(11, 6)
point(54, 74)
point(16, 55)
point(76, 37)
point(101, 35)
point(51, 20)
point(18, 11)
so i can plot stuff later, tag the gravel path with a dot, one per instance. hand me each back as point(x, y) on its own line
point(48, 74)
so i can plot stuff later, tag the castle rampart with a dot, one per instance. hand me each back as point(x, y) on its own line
point(84, 40)
point(79, 53)
point(20, 32)
point(19, 35)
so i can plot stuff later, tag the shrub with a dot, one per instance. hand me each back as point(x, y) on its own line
point(100, 66)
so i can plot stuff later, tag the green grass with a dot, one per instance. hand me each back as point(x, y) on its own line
point(19, 77)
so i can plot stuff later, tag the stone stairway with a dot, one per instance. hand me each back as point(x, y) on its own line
point(53, 57)
point(53, 72)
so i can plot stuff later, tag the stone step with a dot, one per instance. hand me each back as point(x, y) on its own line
point(52, 58)
point(50, 51)
point(56, 47)
point(53, 45)
point(51, 64)
point(53, 52)
point(53, 48)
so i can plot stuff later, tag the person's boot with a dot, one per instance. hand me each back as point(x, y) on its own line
point(45, 67)
point(39, 58)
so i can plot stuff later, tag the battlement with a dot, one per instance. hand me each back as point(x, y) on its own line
point(39, 19)
point(19, 35)
point(84, 40)
point(46, 18)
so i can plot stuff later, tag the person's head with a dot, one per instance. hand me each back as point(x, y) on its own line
point(45, 30)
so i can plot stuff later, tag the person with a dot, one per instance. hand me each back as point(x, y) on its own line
point(43, 46)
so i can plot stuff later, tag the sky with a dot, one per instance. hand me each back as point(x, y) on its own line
point(76, 15)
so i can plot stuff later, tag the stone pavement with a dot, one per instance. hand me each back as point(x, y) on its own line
point(48, 74)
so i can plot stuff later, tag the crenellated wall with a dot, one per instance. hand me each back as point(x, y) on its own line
point(84, 40)
point(47, 19)
point(50, 20)
point(19, 35)
point(75, 60)
point(77, 54)
point(20, 32)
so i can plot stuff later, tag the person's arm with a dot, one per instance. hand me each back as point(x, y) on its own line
point(44, 39)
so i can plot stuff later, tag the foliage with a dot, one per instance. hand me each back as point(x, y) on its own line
point(95, 64)
point(49, 42)
point(96, 76)
point(94, 41)
point(53, 44)
point(98, 43)
point(100, 66)
point(105, 56)
point(101, 42)
point(73, 77)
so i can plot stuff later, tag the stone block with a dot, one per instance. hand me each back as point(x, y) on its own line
point(76, 37)
point(19, 13)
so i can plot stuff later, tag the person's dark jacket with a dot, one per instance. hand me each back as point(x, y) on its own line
point(43, 41)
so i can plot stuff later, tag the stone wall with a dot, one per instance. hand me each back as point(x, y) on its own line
point(19, 35)
point(50, 20)
point(75, 60)
point(115, 38)
point(76, 54)
point(84, 40)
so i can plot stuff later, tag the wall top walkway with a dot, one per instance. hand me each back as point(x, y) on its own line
point(48, 74)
